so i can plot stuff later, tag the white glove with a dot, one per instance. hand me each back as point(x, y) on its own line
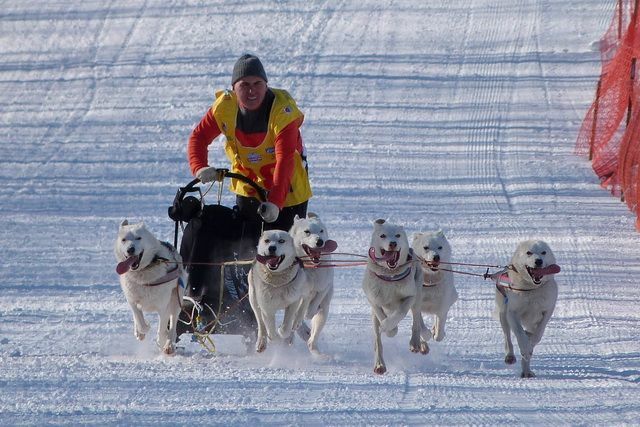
point(268, 211)
point(209, 174)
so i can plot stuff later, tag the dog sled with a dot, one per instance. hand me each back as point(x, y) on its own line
point(217, 249)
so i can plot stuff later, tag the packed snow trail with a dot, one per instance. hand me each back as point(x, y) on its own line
point(460, 116)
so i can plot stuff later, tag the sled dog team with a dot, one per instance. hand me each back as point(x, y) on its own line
point(399, 279)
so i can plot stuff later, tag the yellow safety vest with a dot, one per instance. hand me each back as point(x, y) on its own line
point(258, 163)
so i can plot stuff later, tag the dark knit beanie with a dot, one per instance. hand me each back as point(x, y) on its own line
point(247, 65)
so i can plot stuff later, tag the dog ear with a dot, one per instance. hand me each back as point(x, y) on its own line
point(379, 221)
point(440, 233)
point(124, 222)
point(296, 218)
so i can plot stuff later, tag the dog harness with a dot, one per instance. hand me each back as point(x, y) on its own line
point(279, 279)
point(395, 277)
point(503, 283)
point(170, 276)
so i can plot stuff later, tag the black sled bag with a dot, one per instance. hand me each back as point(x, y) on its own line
point(213, 246)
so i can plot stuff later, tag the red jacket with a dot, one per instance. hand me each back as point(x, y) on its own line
point(287, 142)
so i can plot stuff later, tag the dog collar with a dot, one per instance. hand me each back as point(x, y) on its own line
point(278, 279)
point(503, 283)
point(395, 277)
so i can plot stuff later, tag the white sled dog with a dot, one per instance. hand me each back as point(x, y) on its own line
point(393, 284)
point(277, 281)
point(153, 279)
point(312, 243)
point(438, 290)
point(525, 299)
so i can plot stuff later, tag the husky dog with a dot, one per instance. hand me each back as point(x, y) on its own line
point(152, 278)
point(393, 285)
point(311, 241)
point(277, 281)
point(525, 299)
point(438, 291)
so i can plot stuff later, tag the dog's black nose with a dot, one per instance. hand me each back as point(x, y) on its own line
point(272, 249)
point(131, 250)
point(320, 243)
point(538, 262)
point(392, 245)
point(436, 257)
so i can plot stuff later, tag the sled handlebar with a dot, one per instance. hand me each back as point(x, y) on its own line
point(261, 192)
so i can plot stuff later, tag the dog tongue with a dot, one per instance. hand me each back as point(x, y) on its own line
point(545, 271)
point(267, 259)
point(125, 265)
point(387, 256)
point(329, 246)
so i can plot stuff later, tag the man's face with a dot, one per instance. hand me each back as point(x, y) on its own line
point(251, 91)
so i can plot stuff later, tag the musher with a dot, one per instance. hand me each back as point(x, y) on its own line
point(263, 142)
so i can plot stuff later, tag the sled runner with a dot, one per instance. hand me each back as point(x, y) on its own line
point(217, 249)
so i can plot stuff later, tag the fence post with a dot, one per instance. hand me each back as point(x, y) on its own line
point(630, 100)
point(619, 19)
point(595, 119)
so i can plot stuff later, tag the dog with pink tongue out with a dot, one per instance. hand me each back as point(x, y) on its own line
point(392, 284)
point(526, 295)
point(152, 279)
point(314, 247)
point(277, 281)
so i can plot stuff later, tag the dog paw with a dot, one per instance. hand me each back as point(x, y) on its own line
point(169, 349)
point(424, 347)
point(140, 330)
point(527, 375)
point(379, 369)
point(510, 359)
point(414, 343)
point(317, 355)
point(414, 348)
point(143, 328)
point(261, 345)
point(438, 336)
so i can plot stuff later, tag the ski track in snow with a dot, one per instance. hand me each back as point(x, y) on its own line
point(461, 115)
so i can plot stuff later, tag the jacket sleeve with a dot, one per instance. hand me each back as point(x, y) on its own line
point(203, 134)
point(286, 143)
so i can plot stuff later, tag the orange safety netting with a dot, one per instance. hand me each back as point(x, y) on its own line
point(610, 132)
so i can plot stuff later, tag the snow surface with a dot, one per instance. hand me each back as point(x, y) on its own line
point(460, 115)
